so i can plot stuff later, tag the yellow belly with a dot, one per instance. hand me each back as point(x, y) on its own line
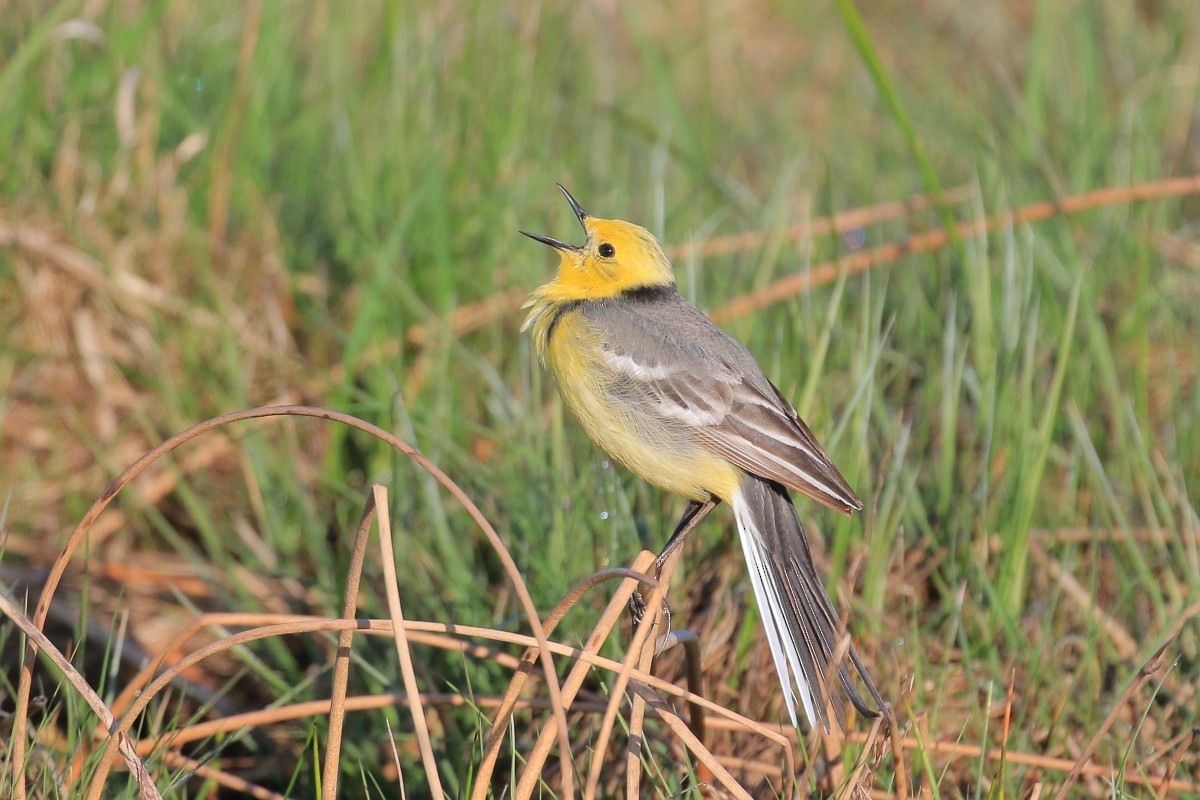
point(657, 450)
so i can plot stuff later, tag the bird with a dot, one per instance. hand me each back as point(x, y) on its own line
point(682, 404)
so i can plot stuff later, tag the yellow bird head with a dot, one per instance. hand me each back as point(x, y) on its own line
point(616, 257)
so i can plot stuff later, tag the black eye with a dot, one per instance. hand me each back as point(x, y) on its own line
point(607, 250)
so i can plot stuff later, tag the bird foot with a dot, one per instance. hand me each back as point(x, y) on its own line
point(637, 609)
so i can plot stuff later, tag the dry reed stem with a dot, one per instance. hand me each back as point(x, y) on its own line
point(637, 720)
point(695, 684)
point(607, 620)
point(1007, 729)
point(140, 465)
point(600, 632)
point(296, 624)
point(854, 783)
point(897, 753)
point(293, 624)
point(403, 649)
point(341, 659)
point(861, 261)
point(473, 316)
point(632, 657)
point(688, 737)
point(470, 317)
point(300, 624)
point(220, 619)
point(478, 314)
point(1149, 668)
point(312, 708)
point(1082, 535)
point(126, 721)
point(145, 786)
point(1165, 784)
point(964, 750)
point(819, 226)
point(220, 777)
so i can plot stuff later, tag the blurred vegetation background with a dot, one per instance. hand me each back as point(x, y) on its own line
point(206, 206)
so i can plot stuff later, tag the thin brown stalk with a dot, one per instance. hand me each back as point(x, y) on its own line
point(1165, 785)
point(863, 260)
point(606, 622)
point(964, 750)
point(221, 777)
point(600, 632)
point(1149, 668)
point(637, 720)
point(1007, 729)
point(403, 649)
point(341, 659)
point(313, 708)
point(120, 727)
point(473, 316)
point(79, 683)
point(1051, 763)
point(304, 624)
point(694, 745)
point(58, 568)
point(818, 226)
point(1100, 536)
point(470, 317)
point(695, 680)
point(897, 753)
point(632, 657)
point(853, 784)
point(479, 314)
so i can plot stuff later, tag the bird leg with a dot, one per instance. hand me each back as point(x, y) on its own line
point(695, 512)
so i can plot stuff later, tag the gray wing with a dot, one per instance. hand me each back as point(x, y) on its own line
point(702, 381)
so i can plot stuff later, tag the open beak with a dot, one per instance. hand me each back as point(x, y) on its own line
point(555, 243)
point(579, 212)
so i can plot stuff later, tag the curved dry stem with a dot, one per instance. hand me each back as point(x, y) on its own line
point(54, 577)
point(632, 656)
point(685, 734)
point(500, 722)
point(123, 744)
point(306, 624)
point(608, 620)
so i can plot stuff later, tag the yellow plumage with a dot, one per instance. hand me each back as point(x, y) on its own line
point(658, 452)
point(684, 406)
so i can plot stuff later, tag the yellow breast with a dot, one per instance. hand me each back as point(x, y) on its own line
point(654, 447)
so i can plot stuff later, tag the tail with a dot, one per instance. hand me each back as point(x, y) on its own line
point(803, 629)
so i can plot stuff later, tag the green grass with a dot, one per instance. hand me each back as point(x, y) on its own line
point(368, 168)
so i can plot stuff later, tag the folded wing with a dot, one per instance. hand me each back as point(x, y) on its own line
point(711, 386)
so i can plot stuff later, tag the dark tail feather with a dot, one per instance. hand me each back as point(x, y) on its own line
point(803, 629)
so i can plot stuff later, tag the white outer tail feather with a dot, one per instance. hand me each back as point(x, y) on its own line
point(771, 608)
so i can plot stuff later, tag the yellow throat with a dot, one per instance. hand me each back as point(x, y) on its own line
point(616, 258)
